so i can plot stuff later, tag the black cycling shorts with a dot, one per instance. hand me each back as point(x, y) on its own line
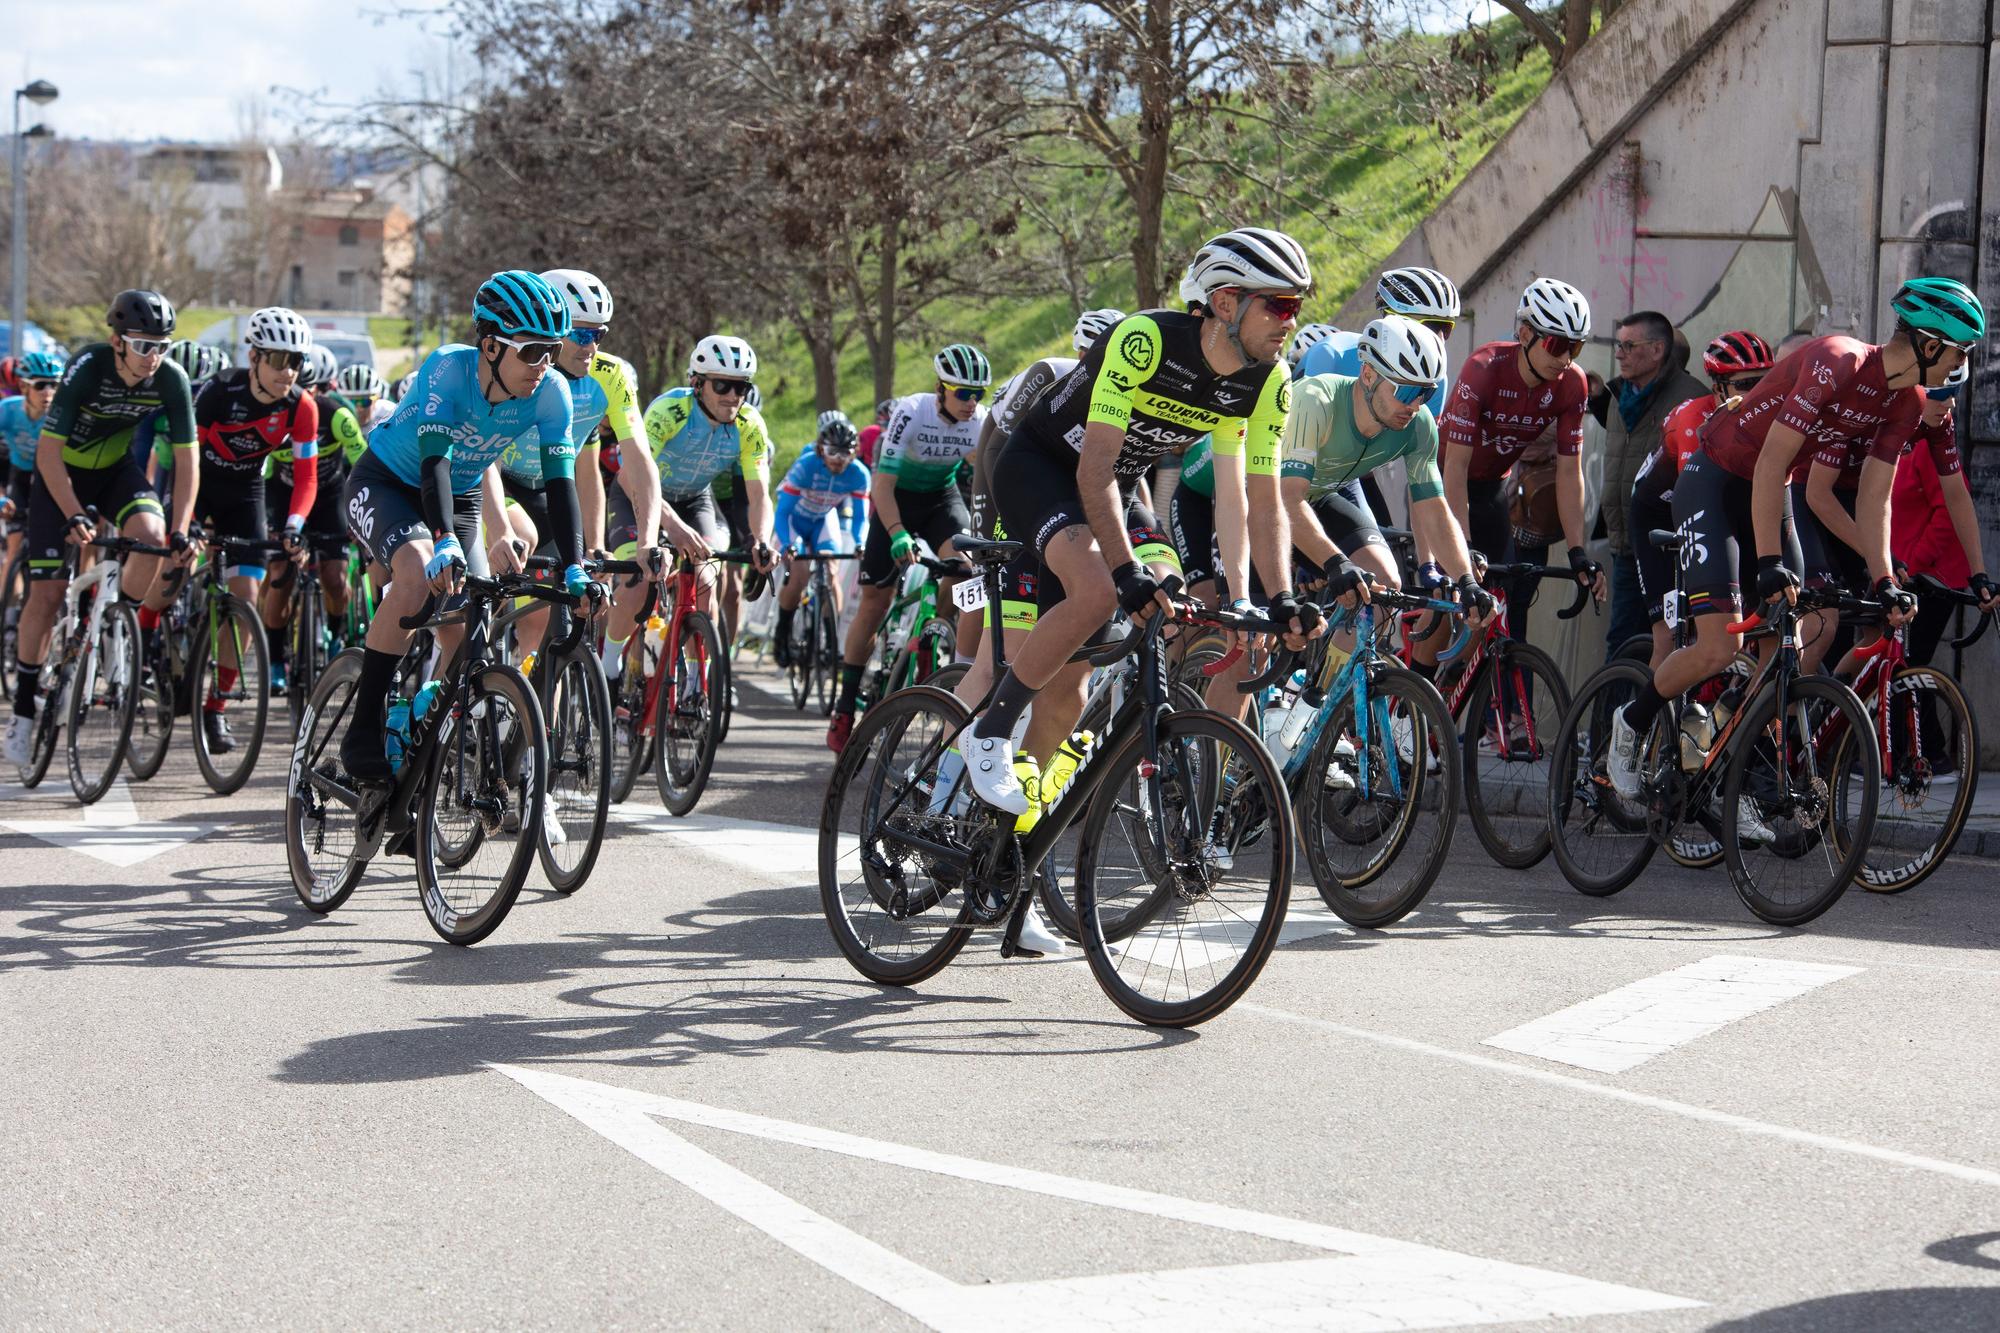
point(1828, 562)
point(735, 509)
point(387, 513)
point(1488, 528)
point(700, 512)
point(234, 506)
point(117, 493)
point(1191, 516)
point(936, 516)
point(326, 522)
point(1711, 506)
point(19, 484)
point(1652, 507)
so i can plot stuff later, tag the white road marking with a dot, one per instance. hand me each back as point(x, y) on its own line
point(782, 851)
point(1977, 1175)
point(111, 830)
point(1624, 1028)
point(1374, 1283)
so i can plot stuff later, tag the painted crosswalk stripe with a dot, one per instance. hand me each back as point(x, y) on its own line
point(1626, 1027)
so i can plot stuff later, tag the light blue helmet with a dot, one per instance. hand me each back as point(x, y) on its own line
point(521, 303)
point(42, 365)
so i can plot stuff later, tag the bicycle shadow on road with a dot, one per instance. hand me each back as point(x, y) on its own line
point(1932, 1309)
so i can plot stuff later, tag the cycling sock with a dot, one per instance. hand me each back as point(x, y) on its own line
point(961, 659)
point(613, 655)
point(850, 685)
point(149, 619)
point(225, 682)
point(28, 682)
point(1428, 670)
point(1009, 702)
point(785, 613)
point(1645, 706)
point(378, 672)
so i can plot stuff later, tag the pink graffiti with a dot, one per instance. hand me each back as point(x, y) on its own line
point(1623, 255)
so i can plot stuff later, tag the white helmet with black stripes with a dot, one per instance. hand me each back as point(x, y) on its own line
point(1417, 293)
point(1553, 307)
point(1403, 350)
point(1256, 259)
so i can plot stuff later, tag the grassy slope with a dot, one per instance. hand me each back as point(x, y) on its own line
point(1381, 196)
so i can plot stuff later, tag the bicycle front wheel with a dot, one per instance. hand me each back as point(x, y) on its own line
point(104, 694)
point(631, 749)
point(321, 834)
point(1201, 835)
point(804, 639)
point(894, 837)
point(1511, 718)
point(232, 677)
point(579, 799)
point(1792, 846)
point(826, 671)
point(1380, 800)
point(1928, 786)
point(308, 646)
point(928, 652)
point(480, 806)
point(153, 719)
point(693, 698)
point(13, 596)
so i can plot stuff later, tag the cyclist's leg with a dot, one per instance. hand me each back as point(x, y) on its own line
point(628, 591)
point(44, 540)
point(1650, 509)
point(525, 517)
point(1821, 568)
point(940, 525)
point(879, 575)
point(735, 512)
point(699, 512)
point(126, 498)
point(238, 515)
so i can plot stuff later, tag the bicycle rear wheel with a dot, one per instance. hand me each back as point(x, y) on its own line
point(13, 596)
point(579, 791)
point(479, 811)
point(693, 696)
point(104, 694)
point(631, 749)
point(826, 674)
point(1927, 790)
point(231, 633)
point(1511, 718)
point(308, 646)
point(804, 642)
point(928, 652)
point(893, 903)
point(1201, 834)
point(1375, 854)
point(320, 798)
point(1601, 839)
point(1783, 770)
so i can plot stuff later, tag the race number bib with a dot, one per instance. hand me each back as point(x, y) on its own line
point(969, 594)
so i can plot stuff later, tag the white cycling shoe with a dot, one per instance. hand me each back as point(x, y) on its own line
point(1340, 773)
point(552, 829)
point(20, 736)
point(1621, 760)
point(1036, 938)
point(989, 768)
point(1750, 826)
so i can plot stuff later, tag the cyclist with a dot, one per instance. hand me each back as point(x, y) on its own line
point(603, 390)
point(1308, 337)
point(824, 477)
point(242, 418)
point(913, 493)
point(84, 459)
point(342, 440)
point(1012, 400)
point(696, 433)
point(871, 434)
point(1421, 294)
point(20, 426)
point(1508, 393)
point(10, 376)
point(1158, 380)
point(1735, 362)
point(1833, 393)
point(415, 497)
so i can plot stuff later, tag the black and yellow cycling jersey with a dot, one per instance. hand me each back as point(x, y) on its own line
point(95, 411)
point(1148, 377)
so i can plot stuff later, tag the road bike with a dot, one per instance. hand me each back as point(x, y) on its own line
point(813, 656)
point(1183, 854)
point(467, 798)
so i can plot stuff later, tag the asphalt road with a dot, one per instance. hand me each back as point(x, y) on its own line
point(667, 1101)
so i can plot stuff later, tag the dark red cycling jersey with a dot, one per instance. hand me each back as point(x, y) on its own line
point(1834, 392)
point(1496, 411)
point(238, 432)
point(865, 449)
point(1681, 431)
point(1941, 440)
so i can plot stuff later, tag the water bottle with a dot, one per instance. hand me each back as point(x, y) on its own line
point(1697, 735)
point(396, 734)
point(1071, 755)
point(426, 697)
point(1280, 716)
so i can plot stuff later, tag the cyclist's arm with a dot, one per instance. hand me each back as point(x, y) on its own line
point(305, 459)
point(1569, 496)
point(858, 502)
point(888, 464)
point(1263, 436)
point(755, 457)
point(1232, 524)
point(1456, 472)
point(1307, 534)
point(1767, 487)
point(55, 474)
point(788, 501)
point(628, 427)
point(1439, 536)
point(589, 482)
point(1964, 520)
point(1871, 517)
point(554, 417)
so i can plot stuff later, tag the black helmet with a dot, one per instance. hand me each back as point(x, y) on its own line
point(147, 314)
point(839, 436)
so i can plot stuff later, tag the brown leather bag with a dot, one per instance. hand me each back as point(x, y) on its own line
point(1531, 503)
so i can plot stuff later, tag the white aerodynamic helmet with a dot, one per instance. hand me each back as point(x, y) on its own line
point(361, 381)
point(718, 354)
point(1551, 306)
point(1307, 338)
point(403, 386)
point(1254, 258)
point(829, 417)
point(1403, 350)
point(277, 329)
point(1417, 293)
point(588, 299)
point(963, 365)
point(1092, 325)
point(320, 368)
point(1190, 289)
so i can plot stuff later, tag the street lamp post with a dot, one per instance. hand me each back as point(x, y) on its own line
point(41, 92)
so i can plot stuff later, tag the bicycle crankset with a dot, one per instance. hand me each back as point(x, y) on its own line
point(996, 874)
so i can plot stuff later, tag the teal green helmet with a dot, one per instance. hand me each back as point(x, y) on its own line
point(1942, 308)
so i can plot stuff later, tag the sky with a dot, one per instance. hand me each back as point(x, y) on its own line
point(182, 69)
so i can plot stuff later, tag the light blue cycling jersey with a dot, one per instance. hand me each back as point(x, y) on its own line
point(19, 431)
point(812, 490)
point(1340, 354)
point(693, 449)
point(445, 414)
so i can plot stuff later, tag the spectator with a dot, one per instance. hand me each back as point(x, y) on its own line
point(1650, 383)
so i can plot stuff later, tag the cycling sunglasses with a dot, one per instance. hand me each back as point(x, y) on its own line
point(1441, 327)
point(1557, 345)
point(1409, 394)
point(1731, 388)
point(147, 346)
point(968, 395)
point(1281, 307)
point(33, 385)
point(588, 337)
point(282, 360)
point(534, 353)
point(736, 388)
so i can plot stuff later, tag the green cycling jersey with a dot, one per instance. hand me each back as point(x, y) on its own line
point(1323, 445)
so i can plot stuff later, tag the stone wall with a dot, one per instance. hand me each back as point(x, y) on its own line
point(1764, 164)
